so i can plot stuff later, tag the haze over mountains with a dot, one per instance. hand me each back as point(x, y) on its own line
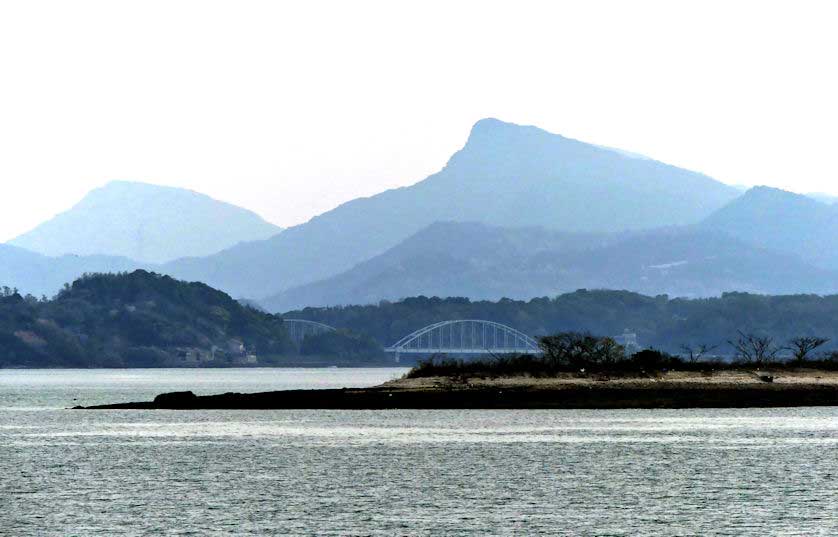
point(146, 223)
point(37, 274)
point(783, 221)
point(765, 241)
point(506, 175)
point(484, 262)
point(517, 212)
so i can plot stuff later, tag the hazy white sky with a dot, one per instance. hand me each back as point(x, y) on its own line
point(290, 108)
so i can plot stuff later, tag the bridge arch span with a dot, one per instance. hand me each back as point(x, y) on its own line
point(465, 336)
point(298, 329)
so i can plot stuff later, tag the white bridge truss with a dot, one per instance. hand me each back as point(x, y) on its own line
point(465, 336)
point(298, 329)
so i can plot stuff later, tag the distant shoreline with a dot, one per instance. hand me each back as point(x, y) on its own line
point(295, 365)
point(737, 389)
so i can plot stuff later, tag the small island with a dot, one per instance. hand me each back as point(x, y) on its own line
point(575, 371)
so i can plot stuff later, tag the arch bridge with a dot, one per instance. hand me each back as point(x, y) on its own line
point(298, 329)
point(465, 336)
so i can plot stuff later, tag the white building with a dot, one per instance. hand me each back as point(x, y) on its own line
point(628, 340)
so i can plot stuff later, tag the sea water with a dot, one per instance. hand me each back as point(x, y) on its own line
point(398, 472)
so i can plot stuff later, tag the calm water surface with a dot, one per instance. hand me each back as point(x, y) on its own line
point(691, 472)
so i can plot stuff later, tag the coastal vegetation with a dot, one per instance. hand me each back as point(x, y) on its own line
point(143, 319)
point(583, 354)
point(679, 326)
point(134, 319)
point(339, 344)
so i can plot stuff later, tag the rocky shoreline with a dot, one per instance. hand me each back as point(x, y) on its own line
point(729, 390)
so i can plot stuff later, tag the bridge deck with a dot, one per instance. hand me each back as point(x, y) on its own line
point(452, 350)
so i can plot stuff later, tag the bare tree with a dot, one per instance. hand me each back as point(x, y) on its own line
point(568, 347)
point(695, 354)
point(751, 348)
point(608, 351)
point(580, 349)
point(803, 345)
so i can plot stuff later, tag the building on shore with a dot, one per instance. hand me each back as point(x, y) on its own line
point(628, 340)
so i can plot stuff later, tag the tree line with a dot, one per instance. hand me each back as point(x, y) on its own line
point(143, 319)
point(679, 326)
point(584, 353)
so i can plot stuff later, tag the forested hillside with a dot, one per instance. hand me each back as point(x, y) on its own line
point(660, 322)
point(136, 319)
point(145, 319)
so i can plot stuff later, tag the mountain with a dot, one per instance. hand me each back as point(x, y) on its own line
point(782, 221)
point(38, 274)
point(148, 223)
point(444, 259)
point(136, 319)
point(505, 175)
point(485, 262)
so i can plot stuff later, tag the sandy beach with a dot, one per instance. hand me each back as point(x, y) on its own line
point(723, 389)
point(732, 379)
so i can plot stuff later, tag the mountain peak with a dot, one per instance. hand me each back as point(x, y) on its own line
point(491, 136)
point(489, 124)
point(122, 187)
point(763, 205)
point(763, 190)
point(147, 223)
point(494, 132)
point(125, 183)
point(767, 195)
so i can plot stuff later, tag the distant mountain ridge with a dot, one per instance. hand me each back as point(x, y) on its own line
point(37, 274)
point(517, 212)
point(488, 263)
point(505, 175)
point(147, 223)
point(782, 221)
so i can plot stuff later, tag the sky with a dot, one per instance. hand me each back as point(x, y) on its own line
point(291, 108)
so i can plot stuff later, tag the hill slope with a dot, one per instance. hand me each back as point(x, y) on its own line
point(483, 262)
point(782, 221)
point(507, 175)
point(136, 319)
point(147, 223)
